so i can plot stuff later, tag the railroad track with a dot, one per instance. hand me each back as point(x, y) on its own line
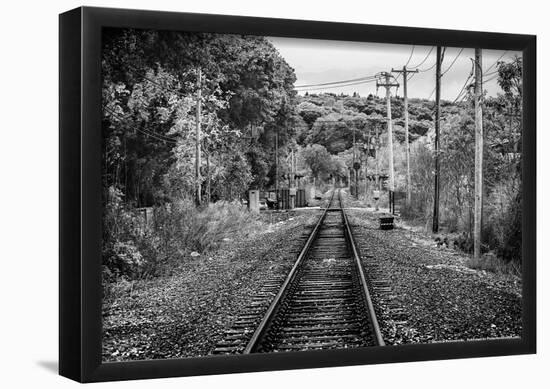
point(324, 302)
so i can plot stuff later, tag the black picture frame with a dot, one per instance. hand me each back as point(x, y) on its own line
point(80, 193)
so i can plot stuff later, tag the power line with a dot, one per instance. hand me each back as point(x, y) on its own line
point(337, 86)
point(490, 79)
point(499, 58)
point(336, 82)
point(396, 78)
point(430, 68)
point(452, 63)
point(435, 63)
point(424, 60)
point(438, 60)
point(410, 57)
point(463, 87)
point(464, 95)
point(145, 132)
point(345, 122)
point(461, 95)
point(352, 121)
point(151, 134)
point(465, 83)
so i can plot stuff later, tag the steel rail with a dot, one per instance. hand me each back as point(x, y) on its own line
point(362, 279)
point(273, 308)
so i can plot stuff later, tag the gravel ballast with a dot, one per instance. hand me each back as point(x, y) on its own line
point(185, 315)
point(436, 296)
point(422, 293)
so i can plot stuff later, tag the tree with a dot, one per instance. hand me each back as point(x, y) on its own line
point(318, 160)
point(149, 100)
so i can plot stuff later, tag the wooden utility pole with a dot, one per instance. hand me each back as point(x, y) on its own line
point(208, 179)
point(277, 169)
point(297, 177)
point(377, 175)
point(291, 175)
point(478, 182)
point(367, 163)
point(377, 146)
point(435, 223)
point(388, 85)
point(405, 72)
point(198, 142)
point(355, 170)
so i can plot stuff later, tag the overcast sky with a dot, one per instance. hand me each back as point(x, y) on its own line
point(322, 61)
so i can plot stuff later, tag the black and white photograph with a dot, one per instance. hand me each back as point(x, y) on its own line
point(266, 195)
point(275, 194)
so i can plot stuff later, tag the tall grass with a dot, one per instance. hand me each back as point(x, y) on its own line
point(183, 226)
point(494, 264)
point(133, 250)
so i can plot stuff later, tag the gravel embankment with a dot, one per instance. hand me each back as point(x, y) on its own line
point(185, 314)
point(430, 295)
point(437, 297)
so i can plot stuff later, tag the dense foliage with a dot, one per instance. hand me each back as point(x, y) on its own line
point(150, 82)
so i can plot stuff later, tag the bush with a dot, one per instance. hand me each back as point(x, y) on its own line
point(125, 258)
point(503, 221)
point(132, 250)
point(490, 262)
point(121, 256)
